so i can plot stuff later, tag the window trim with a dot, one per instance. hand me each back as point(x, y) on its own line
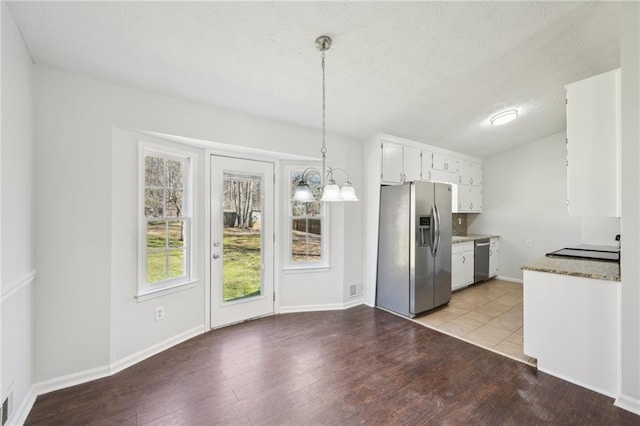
point(290, 265)
point(149, 291)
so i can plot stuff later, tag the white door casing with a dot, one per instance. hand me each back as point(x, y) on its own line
point(233, 311)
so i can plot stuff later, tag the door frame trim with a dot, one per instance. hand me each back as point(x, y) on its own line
point(207, 227)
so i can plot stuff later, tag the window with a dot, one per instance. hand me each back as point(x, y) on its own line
point(165, 218)
point(307, 225)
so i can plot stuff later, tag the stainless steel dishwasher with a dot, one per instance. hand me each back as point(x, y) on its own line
point(481, 260)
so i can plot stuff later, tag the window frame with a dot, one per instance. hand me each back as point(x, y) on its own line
point(145, 290)
point(323, 215)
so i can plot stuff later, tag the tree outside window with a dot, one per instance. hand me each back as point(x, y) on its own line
point(306, 222)
point(166, 217)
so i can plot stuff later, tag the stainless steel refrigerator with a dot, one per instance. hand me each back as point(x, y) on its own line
point(414, 247)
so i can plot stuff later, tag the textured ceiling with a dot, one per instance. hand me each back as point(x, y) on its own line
point(430, 71)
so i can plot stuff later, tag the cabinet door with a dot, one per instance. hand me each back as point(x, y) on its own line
point(593, 146)
point(445, 163)
point(392, 162)
point(467, 262)
point(427, 168)
point(444, 169)
point(475, 178)
point(494, 257)
point(475, 199)
point(412, 164)
point(464, 172)
point(457, 269)
point(460, 199)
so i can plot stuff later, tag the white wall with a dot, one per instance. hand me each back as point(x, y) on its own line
point(133, 326)
point(86, 316)
point(17, 246)
point(524, 198)
point(630, 261)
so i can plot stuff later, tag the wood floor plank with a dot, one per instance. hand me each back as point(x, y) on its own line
point(361, 365)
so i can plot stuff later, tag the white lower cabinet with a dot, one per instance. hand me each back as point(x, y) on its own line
point(494, 257)
point(461, 265)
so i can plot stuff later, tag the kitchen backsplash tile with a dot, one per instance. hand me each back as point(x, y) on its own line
point(459, 224)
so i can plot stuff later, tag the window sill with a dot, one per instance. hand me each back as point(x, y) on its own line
point(306, 269)
point(143, 297)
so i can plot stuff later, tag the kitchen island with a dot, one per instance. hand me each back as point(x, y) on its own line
point(571, 324)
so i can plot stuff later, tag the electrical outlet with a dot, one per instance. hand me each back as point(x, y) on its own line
point(459, 221)
point(159, 313)
point(529, 243)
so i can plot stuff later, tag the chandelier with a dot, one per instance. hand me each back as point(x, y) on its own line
point(331, 192)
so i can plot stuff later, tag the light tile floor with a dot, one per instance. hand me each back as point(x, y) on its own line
point(487, 314)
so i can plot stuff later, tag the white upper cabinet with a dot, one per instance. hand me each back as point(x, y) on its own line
point(469, 173)
point(466, 199)
point(427, 165)
point(475, 175)
point(403, 161)
point(593, 146)
point(400, 163)
point(445, 163)
point(412, 161)
point(392, 170)
point(464, 172)
point(444, 168)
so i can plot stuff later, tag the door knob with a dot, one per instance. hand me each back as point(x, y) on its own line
point(216, 256)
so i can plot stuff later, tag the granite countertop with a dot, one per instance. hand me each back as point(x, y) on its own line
point(471, 237)
point(608, 271)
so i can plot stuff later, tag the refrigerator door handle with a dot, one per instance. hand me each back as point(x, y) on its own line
point(437, 236)
point(432, 232)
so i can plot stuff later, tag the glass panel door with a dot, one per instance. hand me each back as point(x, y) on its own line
point(241, 239)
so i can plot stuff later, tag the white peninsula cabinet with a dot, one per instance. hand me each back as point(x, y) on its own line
point(593, 146)
point(461, 265)
point(571, 320)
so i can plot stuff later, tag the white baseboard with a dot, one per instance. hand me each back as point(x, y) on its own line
point(68, 380)
point(135, 358)
point(85, 376)
point(325, 307)
point(610, 394)
point(20, 415)
point(628, 403)
point(513, 280)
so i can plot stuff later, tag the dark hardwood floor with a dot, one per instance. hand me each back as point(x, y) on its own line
point(362, 365)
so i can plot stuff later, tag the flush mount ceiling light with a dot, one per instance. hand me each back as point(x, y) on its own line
point(504, 117)
point(331, 192)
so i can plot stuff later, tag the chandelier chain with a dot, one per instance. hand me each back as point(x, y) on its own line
point(324, 108)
